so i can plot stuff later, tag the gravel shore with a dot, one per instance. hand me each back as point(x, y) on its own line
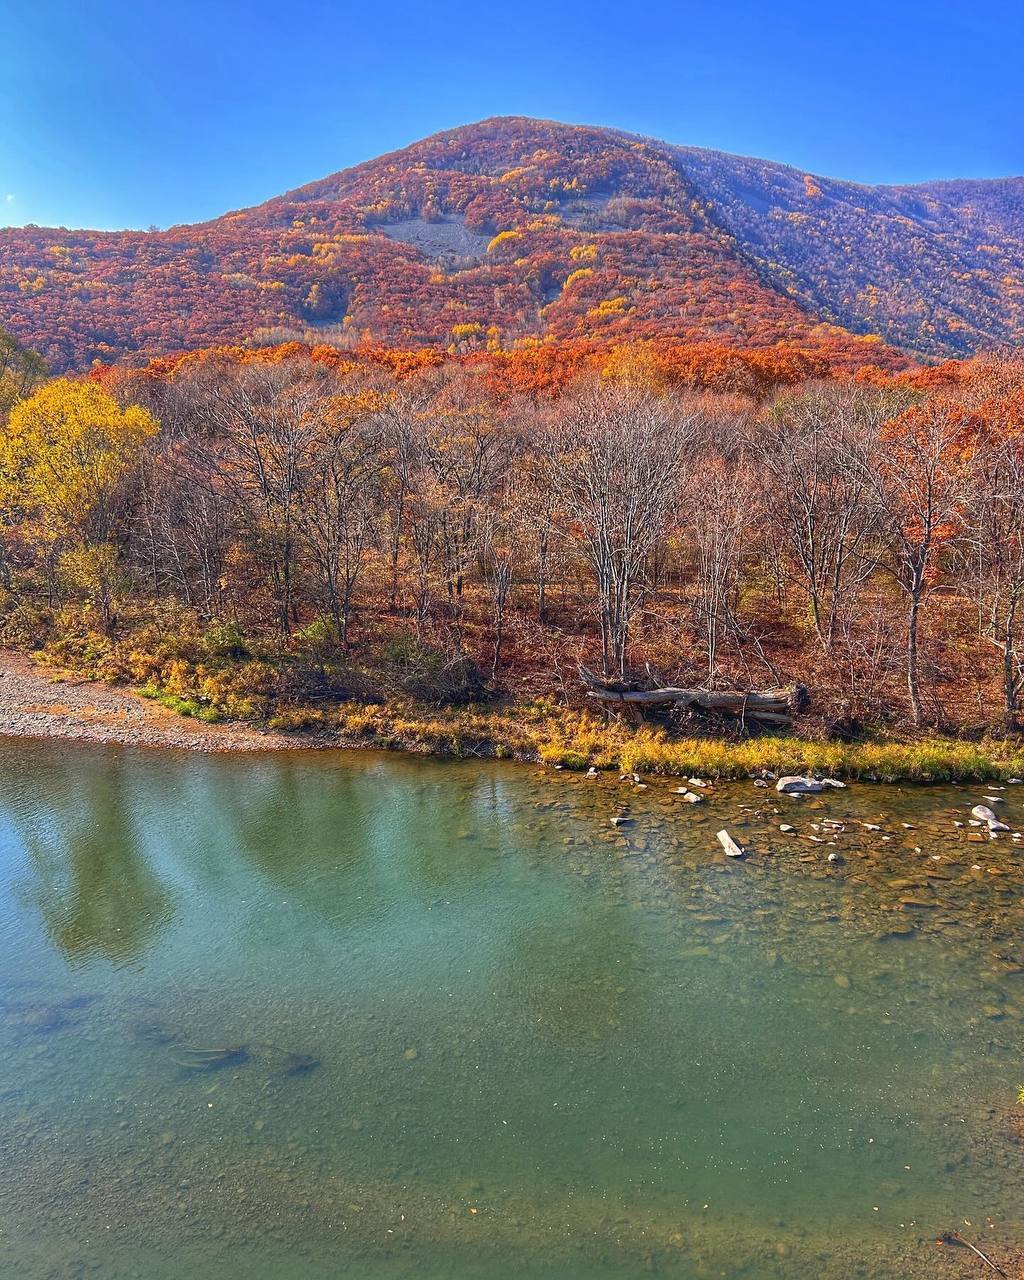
point(36, 703)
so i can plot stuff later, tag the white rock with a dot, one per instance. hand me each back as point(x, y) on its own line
point(691, 797)
point(732, 849)
point(786, 828)
point(984, 814)
point(796, 784)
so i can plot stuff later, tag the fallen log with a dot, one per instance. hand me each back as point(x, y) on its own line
point(767, 706)
point(772, 707)
point(731, 700)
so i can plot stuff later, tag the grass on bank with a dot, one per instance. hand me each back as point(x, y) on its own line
point(556, 736)
point(213, 675)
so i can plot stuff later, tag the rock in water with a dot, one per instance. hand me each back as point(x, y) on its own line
point(732, 849)
point(796, 784)
point(984, 814)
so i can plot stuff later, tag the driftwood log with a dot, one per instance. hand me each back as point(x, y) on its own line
point(769, 707)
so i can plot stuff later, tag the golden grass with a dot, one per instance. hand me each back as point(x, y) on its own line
point(542, 731)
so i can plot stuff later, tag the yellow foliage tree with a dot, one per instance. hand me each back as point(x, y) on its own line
point(64, 455)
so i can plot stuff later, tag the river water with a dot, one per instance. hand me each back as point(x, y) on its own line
point(346, 1014)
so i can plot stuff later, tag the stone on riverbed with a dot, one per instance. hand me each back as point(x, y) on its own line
point(732, 849)
point(798, 784)
point(984, 814)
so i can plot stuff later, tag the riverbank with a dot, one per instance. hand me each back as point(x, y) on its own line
point(36, 702)
point(46, 702)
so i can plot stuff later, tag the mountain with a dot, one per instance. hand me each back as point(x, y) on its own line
point(516, 228)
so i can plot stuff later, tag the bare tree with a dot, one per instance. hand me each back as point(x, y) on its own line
point(266, 415)
point(917, 483)
point(341, 494)
point(619, 464)
point(996, 540)
point(811, 450)
point(499, 539)
point(719, 519)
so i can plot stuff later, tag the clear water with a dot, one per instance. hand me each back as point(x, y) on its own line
point(528, 1043)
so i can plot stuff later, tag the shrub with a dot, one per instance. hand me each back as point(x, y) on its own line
point(432, 674)
point(224, 640)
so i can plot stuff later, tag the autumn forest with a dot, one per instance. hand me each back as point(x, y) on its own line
point(443, 431)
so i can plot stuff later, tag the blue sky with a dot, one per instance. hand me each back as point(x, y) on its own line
point(117, 114)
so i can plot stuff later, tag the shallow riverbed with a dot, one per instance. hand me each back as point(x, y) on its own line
point(344, 1014)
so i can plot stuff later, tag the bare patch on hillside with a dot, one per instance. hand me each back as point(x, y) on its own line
point(448, 238)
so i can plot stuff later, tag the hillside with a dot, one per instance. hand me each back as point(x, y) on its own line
point(515, 228)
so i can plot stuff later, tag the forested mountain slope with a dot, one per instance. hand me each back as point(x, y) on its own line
point(936, 268)
point(516, 229)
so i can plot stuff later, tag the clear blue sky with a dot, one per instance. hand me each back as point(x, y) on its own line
point(118, 114)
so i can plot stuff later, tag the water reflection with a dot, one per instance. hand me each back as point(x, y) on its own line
point(96, 890)
point(603, 1040)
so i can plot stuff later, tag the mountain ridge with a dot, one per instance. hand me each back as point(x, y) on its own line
point(514, 229)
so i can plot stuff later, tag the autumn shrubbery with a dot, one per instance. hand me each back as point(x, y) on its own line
point(426, 558)
point(432, 673)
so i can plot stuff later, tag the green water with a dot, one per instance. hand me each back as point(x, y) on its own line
point(531, 1044)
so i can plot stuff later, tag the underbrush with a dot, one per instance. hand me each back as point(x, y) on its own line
point(412, 696)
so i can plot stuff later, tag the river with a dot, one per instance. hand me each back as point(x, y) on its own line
point(307, 1015)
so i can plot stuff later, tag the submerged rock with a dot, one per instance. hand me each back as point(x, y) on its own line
point(800, 784)
point(796, 784)
point(732, 849)
point(984, 814)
